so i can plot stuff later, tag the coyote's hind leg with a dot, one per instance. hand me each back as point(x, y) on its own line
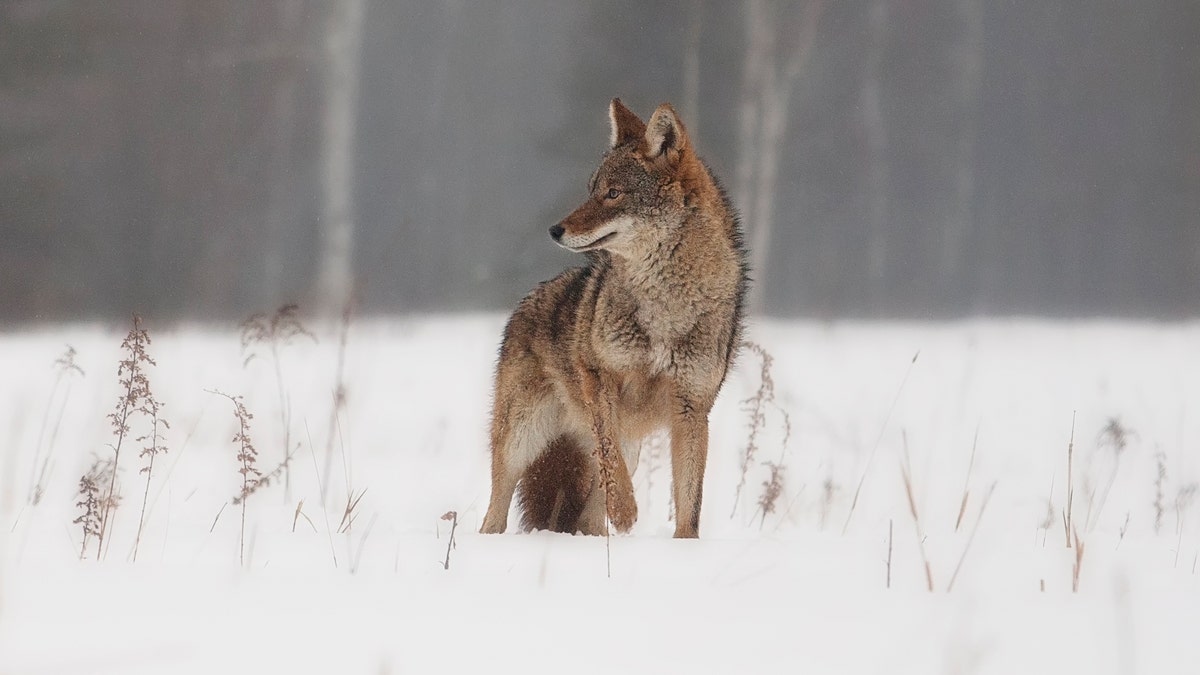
point(519, 436)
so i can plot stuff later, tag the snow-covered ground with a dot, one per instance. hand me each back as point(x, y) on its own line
point(986, 408)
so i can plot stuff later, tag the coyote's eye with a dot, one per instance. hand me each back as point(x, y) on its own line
point(613, 193)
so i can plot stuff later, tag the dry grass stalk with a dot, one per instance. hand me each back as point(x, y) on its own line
point(772, 489)
point(321, 486)
point(1183, 502)
point(971, 538)
point(217, 517)
point(906, 474)
point(1116, 437)
point(66, 368)
point(1078, 563)
point(263, 480)
point(247, 457)
point(339, 400)
point(89, 501)
point(451, 516)
point(966, 495)
point(1069, 511)
point(276, 331)
point(604, 455)
point(299, 514)
point(356, 555)
point(757, 407)
point(135, 389)
point(349, 514)
point(151, 409)
point(889, 555)
point(879, 438)
point(828, 491)
point(1160, 481)
point(1051, 515)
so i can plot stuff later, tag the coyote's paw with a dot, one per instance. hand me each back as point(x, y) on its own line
point(493, 524)
point(622, 510)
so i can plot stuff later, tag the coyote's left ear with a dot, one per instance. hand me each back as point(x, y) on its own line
point(665, 137)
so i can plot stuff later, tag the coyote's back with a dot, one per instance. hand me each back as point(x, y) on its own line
point(639, 340)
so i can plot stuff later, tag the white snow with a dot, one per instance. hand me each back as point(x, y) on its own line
point(802, 590)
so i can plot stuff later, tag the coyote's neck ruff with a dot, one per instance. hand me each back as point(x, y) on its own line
point(641, 339)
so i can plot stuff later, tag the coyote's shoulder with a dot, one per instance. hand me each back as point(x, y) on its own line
point(640, 339)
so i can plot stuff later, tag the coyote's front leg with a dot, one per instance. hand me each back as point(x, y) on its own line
point(598, 393)
point(689, 454)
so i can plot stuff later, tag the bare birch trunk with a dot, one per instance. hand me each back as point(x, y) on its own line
point(968, 85)
point(691, 68)
point(878, 178)
point(759, 45)
point(343, 47)
point(764, 124)
point(283, 106)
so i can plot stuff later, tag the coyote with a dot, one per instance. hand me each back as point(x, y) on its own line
point(639, 340)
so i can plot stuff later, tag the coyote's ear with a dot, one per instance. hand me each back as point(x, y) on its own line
point(665, 136)
point(626, 126)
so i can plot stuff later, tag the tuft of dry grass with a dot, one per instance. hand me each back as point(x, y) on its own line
point(1160, 481)
point(151, 409)
point(349, 513)
point(1078, 565)
point(274, 332)
point(875, 448)
point(1184, 498)
point(1115, 437)
point(339, 402)
point(889, 555)
point(987, 497)
point(1069, 511)
point(301, 514)
point(135, 391)
point(966, 495)
point(829, 490)
point(772, 488)
point(90, 503)
point(757, 408)
point(247, 457)
point(38, 471)
point(906, 475)
point(451, 516)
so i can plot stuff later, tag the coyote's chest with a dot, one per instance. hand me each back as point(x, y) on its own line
point(650, 334)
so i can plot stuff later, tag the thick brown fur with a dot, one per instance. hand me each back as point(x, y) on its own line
point(641, 339)
point(553, 491)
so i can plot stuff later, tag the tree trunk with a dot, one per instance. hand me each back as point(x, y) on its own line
point(968, 81)
point(279, 214)
point(759, 46)
point(691, 68)
point(763, 126)
point(878, 179)
point(343, 47)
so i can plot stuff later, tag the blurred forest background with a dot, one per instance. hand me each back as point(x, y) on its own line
point(890, 158)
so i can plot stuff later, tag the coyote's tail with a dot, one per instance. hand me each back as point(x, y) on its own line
point(555, 487)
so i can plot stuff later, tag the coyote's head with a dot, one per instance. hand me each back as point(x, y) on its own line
point(639, 190)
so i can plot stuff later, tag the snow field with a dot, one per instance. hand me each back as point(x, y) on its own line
point(804, 588)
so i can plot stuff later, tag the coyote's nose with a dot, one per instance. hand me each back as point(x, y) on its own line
point(557, 232)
